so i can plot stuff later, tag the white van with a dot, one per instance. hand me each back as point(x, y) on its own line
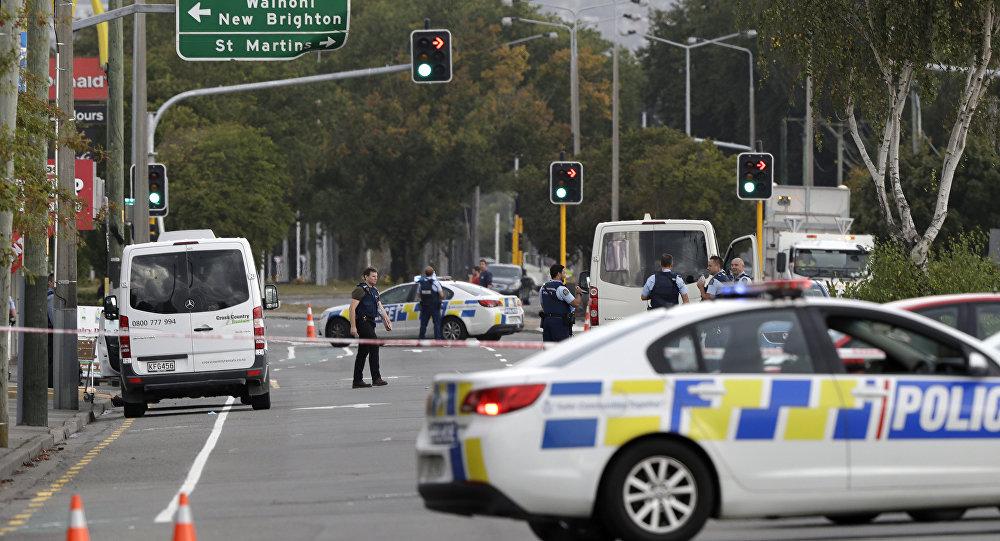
point(626, 253)
point(170, 293)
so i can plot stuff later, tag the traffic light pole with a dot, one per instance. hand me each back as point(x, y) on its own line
point(562, 235)
point(760, 238)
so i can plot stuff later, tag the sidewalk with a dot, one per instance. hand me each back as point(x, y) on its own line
point(27, 442)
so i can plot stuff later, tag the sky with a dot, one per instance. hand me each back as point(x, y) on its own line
point(607, 27)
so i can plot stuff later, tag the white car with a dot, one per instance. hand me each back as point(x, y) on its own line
point(469, 310)
point(645, 428)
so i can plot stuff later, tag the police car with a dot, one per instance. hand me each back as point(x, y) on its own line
point(468, 310)
point(645, 428)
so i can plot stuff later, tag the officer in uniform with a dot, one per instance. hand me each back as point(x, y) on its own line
point(719, 277)
point(365, 307)
point(485, 276)
point(431, 295)
point(665, 288)
point(558, 306)
point(739, 272)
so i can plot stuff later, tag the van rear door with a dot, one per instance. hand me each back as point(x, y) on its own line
point(223, 303)
point(159, 322)
point(745, 248)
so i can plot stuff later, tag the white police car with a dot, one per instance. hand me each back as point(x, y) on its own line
point(469, 310)
point(645, 428)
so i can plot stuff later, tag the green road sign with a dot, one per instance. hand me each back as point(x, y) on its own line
point(259, 29)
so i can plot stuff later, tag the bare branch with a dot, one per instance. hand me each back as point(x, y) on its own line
point(877, 172)
point(909, 229)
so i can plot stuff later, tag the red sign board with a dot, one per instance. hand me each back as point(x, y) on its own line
point(84, 193)
point(17, 244)
point(90, 82)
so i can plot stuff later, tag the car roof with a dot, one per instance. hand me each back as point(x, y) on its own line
point(944, 300)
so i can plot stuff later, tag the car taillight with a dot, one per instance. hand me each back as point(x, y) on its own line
point(259, 343)
point(500, 400)
point(491, 303)
point(124, 342)
point(594, 314)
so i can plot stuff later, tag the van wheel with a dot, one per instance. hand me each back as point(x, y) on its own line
point(134, 410)
point(245, 396)
point(852, 519)
point(338, 327)
point(452, 328)
point(261, 401)
point(936, 515)
point(657, 490)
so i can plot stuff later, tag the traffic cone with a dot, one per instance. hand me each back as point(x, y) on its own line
point(586, 323)
point(77, 521)
point(184, 522)
point(310, 324)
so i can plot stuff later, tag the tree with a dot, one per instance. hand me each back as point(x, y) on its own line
point(231, 179)
point(864, 58)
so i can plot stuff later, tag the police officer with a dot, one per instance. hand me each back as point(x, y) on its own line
point(665, 288)
point(738, 270)
point(365, 307)
point(485, 276)
point(431, 295)
point(558, 306)
point(719, 277)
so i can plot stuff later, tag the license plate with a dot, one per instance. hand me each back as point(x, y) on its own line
point(512, 310)
point(160, 366)
point(514, 320)
point(443, 433)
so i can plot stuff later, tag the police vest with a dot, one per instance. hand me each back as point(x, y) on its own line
point(552, 305)
point(428, 297)
point(368, 306)
point(665, 291)
point(720, 276)
point(744, 275)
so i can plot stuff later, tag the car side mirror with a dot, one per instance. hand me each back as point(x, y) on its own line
point(271, 301)
point(781, 263)
point(111, 307)
point(979, 366)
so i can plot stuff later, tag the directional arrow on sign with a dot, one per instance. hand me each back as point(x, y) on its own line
point(196, 12)
point(571, 173)
point(438, 42)
point(328, 42)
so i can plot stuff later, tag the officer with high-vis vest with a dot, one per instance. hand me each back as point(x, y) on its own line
point(718, 277)
point(431, 294)
point(665, 289)
point(366, 306)
point(739, 273)
point(558, 306)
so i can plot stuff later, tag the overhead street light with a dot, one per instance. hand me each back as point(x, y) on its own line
point(718, 41)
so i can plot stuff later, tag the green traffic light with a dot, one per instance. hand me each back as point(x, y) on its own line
point(561, 193)
point(749, 187)
point(154, 199)
point(424, 70)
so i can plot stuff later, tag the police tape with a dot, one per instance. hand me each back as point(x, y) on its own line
point(137, 335)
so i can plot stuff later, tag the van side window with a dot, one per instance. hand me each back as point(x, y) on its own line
point(159, 283)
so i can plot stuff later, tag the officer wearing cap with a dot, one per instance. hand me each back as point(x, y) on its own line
point(665, 288)
point(431, 295)
point(558, 306)
point(718, 277)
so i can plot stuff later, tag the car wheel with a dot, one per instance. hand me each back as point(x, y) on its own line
point(452, 328)
point(657, 490)
point(338, 327)
point(558, 530)
point(852, 519)
point(261, 401)
point(134, 410)
point(936, 515)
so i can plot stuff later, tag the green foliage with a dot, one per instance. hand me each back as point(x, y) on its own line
point(958, 267)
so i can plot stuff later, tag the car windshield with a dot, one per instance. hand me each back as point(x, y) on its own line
point(473, 289)
point(629, 257)
point(505, 271)
point(813, 262)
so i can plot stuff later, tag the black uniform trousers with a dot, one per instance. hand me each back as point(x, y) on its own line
point(366, 329)
point(555, 329)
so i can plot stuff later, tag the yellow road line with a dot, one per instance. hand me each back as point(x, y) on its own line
point(43, 496)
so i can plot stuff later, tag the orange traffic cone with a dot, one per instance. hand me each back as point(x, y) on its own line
point(586, 323)
point(77, 521)
point(184, 522)
point(310, 324)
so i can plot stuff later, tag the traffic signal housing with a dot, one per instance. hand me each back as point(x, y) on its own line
point(430, 51)
point(157, 189)
point(566, 183)
point(754, 176)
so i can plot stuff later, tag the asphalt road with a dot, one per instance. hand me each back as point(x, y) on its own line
point(326, 462)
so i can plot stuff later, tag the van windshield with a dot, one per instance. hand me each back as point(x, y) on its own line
point(629, 257)
point(179, 282)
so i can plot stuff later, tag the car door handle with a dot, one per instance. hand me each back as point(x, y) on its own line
point(868, 393)
point(203, 328)
point(707, 390)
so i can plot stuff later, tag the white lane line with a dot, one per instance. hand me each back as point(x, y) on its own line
point(488, 349)
point(498, 354)
point(351, 406)
point(291, 352)
point(347, 350)
point(199, 464)
point(383, 377)
point(277, 370)
point(322, 360)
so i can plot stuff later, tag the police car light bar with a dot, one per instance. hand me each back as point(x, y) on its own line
point(775, 289)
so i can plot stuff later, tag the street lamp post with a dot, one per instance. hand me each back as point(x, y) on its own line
point(753, 118)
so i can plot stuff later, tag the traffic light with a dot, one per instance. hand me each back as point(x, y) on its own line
point(430, 51)
point(157, 189)
point(566, 183)
point(754, 175)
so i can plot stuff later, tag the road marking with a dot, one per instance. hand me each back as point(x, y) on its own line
point(383, 377)
point(322, 360)
point(351, 406)
point(414, 350)
point(291, 352)
point(274, 384)
point(498, 354)
point(488, 348)
point(199, 464)
point(42, 496)
point(347, 351)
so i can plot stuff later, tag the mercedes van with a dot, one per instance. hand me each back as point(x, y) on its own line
point(190, 320)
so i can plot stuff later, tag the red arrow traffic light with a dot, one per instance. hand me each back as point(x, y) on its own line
point(761, 165)
point(571, 173)
point(437, 42)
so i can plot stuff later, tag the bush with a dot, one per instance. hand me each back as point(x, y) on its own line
point(958, 267)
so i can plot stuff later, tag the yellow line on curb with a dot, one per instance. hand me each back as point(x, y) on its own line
point(42, 496)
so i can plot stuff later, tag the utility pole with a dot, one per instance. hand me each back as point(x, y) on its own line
point(10, 42)
point(116, 147)
point(140, 208)
point(475, 226)
point(614, 126)
point(66, 379)
point(33, 374)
